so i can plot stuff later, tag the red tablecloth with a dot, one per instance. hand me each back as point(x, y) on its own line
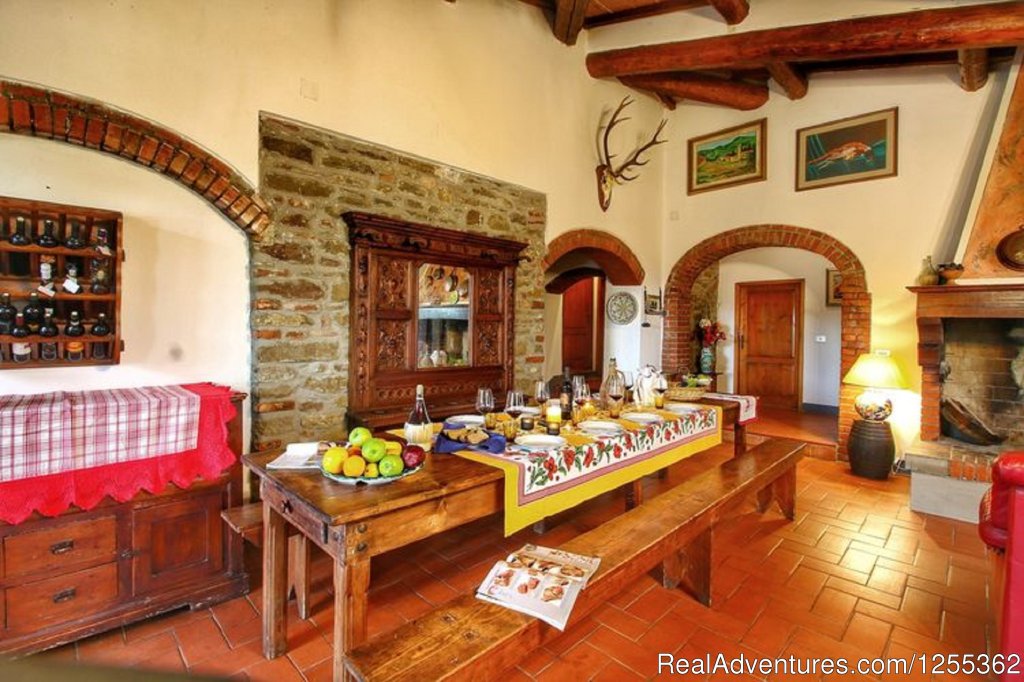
point(85, 488)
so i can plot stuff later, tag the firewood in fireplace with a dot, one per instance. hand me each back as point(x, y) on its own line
point(959, 422)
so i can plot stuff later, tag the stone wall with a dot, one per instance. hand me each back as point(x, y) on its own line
point(300, 269)
point(705, 302)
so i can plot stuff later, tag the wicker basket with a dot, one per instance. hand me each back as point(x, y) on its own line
point(685, 393)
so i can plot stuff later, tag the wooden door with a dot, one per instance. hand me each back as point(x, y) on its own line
point(769, 341)
point(178, 541)
point(583, 326)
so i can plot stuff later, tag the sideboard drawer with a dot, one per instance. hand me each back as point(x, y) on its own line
point(61, 599)
point(60, 545)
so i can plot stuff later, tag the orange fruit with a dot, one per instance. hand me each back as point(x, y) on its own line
point(354, 466)
point(371, 470)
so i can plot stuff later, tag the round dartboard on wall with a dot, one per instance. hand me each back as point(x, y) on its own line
point(622, 307)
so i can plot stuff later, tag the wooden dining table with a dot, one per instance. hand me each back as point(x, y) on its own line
point(354, 524)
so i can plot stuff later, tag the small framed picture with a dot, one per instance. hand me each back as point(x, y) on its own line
point(848, 150)
point(726, 158)
point(652, 304)
point(833, 280)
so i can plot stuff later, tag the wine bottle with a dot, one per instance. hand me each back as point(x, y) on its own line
point(418, 429)
point(98, 349)
point(74, 239)
point(7, 313)
point(565, 396)
point(47, 238)
point(20, 236)
point(74, 326)
point(48, 330)
point(74, 351)
point(33, 313)
point(20, 351)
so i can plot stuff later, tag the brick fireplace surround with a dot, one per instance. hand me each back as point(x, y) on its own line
point(938, 303)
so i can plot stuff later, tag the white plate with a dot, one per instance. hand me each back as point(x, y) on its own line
point(681, 408)
point(540, 441)
point(530, 411)
point(600, 427)
point(642, 417)
point(467, 419)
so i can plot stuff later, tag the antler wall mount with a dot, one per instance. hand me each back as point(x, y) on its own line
point(608, 175)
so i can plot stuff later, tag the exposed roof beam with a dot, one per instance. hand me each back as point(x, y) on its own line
point(790, 78)
point(642, 12)
point(977, 26)
point(701, 88)
point(569, 15)
point(973, 69)
point(733, 11)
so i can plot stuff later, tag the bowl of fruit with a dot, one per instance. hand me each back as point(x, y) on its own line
point(370, 460)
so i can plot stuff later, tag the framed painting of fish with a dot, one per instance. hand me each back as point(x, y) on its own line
point(726, 158)
point(848, 150)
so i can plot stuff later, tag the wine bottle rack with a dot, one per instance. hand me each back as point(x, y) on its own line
point(20, 276)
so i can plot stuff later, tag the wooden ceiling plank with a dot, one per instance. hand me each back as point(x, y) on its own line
point(975, 26)
point(701, 88)
point(791, 79)
point(733, 11)
point(569, 16)
point(652, 9)
point(974, 66)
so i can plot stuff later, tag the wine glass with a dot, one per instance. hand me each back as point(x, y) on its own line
point(515, 403)
point(580, 390)
point(628, 379)
point(660, 386)
point(616, 388)
point(484, 400)
point(541, 393)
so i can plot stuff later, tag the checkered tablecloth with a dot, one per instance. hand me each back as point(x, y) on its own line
point(68, 431)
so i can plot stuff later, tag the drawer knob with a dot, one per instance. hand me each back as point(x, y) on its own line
point(64, 595)
point(286, 507)
point(62, 547)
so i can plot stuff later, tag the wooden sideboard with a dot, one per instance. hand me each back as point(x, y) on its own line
point(430, 306)
point(84, 572)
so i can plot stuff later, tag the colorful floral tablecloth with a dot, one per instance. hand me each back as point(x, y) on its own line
point(540, 483)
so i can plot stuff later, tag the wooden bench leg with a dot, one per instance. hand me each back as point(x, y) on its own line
point(783, 491)
point(299, 555)
point(275, 583)
point(351, 584)
point(739, 440)
point(540, 527)
point(634, 494)
point(690, 568)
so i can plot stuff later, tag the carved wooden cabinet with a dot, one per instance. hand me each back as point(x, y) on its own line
point(84, 572)
point(430, 306)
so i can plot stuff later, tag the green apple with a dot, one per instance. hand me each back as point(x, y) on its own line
point(374, 450)
point(391, 466)
point(359, 435)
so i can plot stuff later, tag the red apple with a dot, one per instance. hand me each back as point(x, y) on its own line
point(413, 456)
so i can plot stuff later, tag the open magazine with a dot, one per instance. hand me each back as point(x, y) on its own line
point(539, 581)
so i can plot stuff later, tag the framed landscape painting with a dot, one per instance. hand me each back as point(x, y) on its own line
point(848, 150)
point(833, 280)
point(729, 157)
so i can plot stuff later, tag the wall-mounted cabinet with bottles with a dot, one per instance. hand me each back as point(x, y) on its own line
point(60, 285)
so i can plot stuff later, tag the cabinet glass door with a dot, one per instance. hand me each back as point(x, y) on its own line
point(443, 295)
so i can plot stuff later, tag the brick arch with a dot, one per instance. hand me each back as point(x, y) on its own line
point(617, 260)
point(61, 117)
point(677, 345)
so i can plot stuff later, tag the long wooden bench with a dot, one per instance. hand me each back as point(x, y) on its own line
point(468, 638)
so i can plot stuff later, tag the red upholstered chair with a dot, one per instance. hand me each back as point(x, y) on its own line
point(1001, 526)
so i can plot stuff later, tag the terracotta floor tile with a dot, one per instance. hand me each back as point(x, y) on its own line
point(857, 560)
point(579, 663)
point(277, 670)
point(834, 605)
point(865, 592)
point(653, 604)
point(616, 672)
point(623, 622)
point(627, 652)
point(769, 634)
point(200, 640)
point(867, 634)
point(231, 662)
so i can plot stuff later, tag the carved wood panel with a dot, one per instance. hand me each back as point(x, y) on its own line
point(392, 343)
point(488, 299)
point(488, 340)
point(393, 277)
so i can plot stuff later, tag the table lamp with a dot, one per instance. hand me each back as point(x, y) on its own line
point(871, 446)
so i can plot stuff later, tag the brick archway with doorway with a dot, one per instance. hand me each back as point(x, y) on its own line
point(39, 112)
point(677, 345)
point(618, 262)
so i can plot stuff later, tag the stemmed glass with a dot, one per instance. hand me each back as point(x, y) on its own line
point(628, 379)
point(660, 386)
point(541, 393)
point(616, 388)
point(515, 403)
point(580, 395)
point(485, 406)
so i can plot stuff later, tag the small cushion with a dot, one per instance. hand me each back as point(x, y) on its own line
point(1009, 468)
point(991, 535)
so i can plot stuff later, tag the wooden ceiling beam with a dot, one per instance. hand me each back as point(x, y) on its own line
point(790, 78)
point(569, 16)
point(977, 26)
point(974, 65)
point(642, 12)
point(733, 11)
point(701, 88)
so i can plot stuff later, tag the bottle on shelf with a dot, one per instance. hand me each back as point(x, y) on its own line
point(70, 284)
point(98, 349)
point(33, 313)
point(74, 240)
point(20, 235)
point(20, 350)
point(418, 429)
point(565, 395)
point(100, 276)
point(48, 238)
point(7, 313)
point(48, 330)
point(74, 351)
point(101, 240)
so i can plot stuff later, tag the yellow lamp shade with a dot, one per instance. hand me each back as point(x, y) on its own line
point(875, 371)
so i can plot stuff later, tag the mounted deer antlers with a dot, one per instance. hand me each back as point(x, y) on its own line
point(608, 175)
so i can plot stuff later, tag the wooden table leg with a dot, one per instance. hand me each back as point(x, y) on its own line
point(275, 583)
point(298, 564)
point(351, 583)
point(690, 568)
point(634, 494)
point(784, 491)
point(739, 440)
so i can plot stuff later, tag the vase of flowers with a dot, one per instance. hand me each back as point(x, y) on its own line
point(710, 334)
